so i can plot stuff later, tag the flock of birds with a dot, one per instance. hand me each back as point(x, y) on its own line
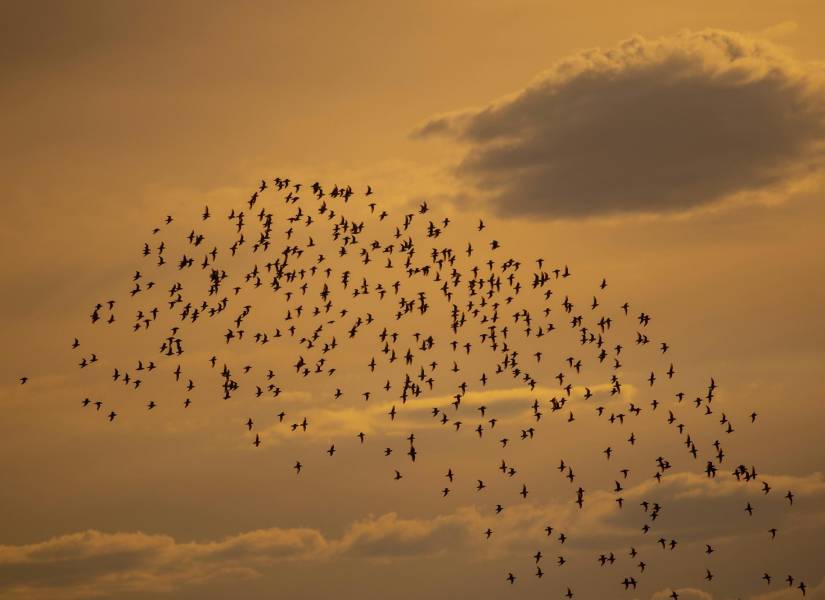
point(397, 286)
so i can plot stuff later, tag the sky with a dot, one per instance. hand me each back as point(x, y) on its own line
point(672, 149)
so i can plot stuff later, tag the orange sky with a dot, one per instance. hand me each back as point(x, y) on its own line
point(673, 149)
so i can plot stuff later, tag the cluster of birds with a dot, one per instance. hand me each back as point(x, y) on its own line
point(398, 286)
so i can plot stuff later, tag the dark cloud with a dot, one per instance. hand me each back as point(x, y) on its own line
point(649, 126)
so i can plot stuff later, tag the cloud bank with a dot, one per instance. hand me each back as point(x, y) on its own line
point(647, 126)
point(93, 563)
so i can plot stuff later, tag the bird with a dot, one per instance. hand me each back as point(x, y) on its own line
point(407, 314)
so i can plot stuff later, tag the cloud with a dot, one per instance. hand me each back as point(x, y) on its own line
point(792, 593)
point(697, 509)
point(392, 537)
point(648, 126)
point(513, 407)
point(91, 563)
point(684, 593)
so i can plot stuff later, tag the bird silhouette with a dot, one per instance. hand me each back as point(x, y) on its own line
point(394, 316)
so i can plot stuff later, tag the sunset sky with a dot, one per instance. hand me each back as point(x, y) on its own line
point(674, 149)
